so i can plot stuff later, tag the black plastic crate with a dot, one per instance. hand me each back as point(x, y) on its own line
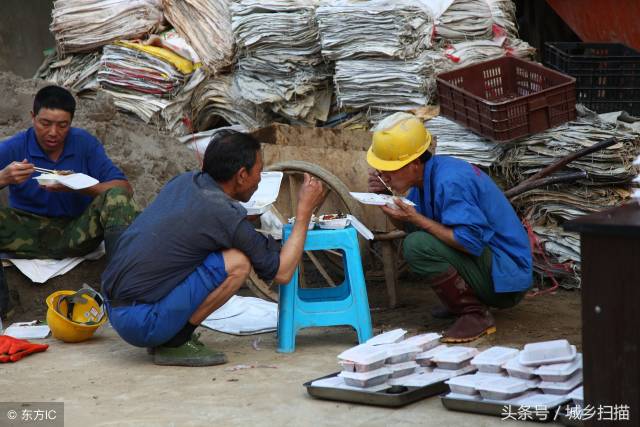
point(607, 74)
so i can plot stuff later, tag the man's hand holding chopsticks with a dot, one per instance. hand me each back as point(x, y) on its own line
point(16, 173)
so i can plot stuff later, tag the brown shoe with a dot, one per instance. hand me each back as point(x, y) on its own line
point(469, 327)
point(474, 319)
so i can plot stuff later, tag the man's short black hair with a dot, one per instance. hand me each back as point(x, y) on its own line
point(227, 152)
point(54, 98)
point(424, 157)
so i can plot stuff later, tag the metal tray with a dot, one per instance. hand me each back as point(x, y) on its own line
point(392, 397)
point(495, 408)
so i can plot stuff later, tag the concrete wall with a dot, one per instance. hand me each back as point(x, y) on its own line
point(24, 34)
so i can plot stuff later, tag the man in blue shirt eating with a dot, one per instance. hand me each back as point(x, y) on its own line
point(191, 250)
point(54, 221)
point(464, 236)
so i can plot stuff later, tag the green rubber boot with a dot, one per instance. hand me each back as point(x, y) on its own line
point(191, 353)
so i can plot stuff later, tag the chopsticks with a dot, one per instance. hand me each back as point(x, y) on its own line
point(385, 185)
point(43, 170)
point(53, 171)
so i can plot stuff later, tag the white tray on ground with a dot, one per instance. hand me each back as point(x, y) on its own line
point(265, 195)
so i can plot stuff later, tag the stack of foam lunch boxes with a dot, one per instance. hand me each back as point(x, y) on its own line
point(391, 363)
point(385, 360)
point(542, 375)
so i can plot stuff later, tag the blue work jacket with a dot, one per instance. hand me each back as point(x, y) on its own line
point(462, 197)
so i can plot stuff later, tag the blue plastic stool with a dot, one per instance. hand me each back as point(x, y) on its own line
point(345, 304)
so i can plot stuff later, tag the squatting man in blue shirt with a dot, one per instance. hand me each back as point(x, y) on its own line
point(464, 237)
point(54, 221)
point(192, 248)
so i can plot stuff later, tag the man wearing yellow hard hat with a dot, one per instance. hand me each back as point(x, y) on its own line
point(464, 236)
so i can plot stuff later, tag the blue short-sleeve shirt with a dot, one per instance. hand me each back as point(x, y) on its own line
point(190, 218)
point(462, 197)
point(82, 153)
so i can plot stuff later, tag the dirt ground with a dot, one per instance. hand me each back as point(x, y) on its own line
point(538, 318)
point(105, 382)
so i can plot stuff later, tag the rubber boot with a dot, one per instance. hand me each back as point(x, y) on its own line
point(5, 300)
point(111, 236)
point(441, 312)
point(474, 319)
point(191, 353)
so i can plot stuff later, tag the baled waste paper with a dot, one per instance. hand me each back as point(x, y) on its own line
point(206, 26)
point(378, 28)
point(279, 59)
point(77, 72)
point(215, 102)
point(84, 25)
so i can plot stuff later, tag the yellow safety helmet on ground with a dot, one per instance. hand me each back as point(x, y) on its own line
point(397, 140)
point(74, 316)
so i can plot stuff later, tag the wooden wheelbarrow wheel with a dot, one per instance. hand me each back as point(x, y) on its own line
point(336, 197)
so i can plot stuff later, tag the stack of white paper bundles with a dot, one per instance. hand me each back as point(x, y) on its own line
point(279, 59)
point(460, 20)
point(84, 25)
point(206, 26)
point(216, 102)
point(376, 46)
point(77, 72)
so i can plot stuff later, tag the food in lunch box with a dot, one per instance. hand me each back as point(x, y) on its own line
point(328, 217)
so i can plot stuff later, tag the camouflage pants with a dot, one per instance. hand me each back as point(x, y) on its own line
point(26, 235)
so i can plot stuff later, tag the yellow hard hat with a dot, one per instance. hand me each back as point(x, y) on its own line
point(74, 316)
point(397, 140)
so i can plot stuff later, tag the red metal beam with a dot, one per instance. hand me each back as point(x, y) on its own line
point(602, 20)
